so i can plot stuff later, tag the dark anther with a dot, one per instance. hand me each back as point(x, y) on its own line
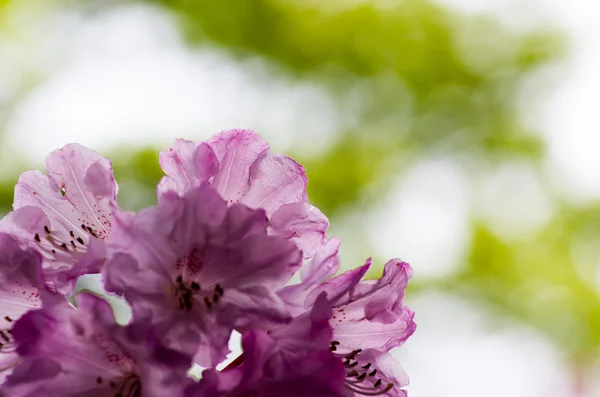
point(367, 366)
point(54, 251)
point(332, 348)
point(47, 229)
point(37, 237)
point(8, 319)
point(219, 290)
point(195, 286)
point(99, 380)
point(362, 376)
point(207, 302)
point(179, 279)
point(91, 231)
point(112, 384)
point(83, 227)
point(346, 362)
point(64, 246)
point(373, 373)
point(73, 244)
point(72, 233)
point(3, 335)
point(354, 364)
point(80, 240)
point(335, 342)
point(378, 383)
point(216, 298)
point(353, 353)
point(351, 374)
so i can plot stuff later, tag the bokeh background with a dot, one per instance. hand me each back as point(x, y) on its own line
point(458, 135)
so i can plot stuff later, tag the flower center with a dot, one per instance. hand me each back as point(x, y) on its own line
point(128, 386)
point(73, 246)
point(188, 295)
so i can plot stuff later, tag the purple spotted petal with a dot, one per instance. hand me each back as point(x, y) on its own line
point(69, 352)
point(200, 268)
point(370, 314)
point(323, 265)
point(236, 151)
point(376, 373)
point(237, 163)
point(302, 223)
point(76, 197)
point(187, 164)
point(291, 361)
point(20, 284)
point(275, 180)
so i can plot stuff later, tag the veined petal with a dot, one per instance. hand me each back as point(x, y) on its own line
point(204, 268)
point(290, 361)
point(77, 197)
point(20, 283)
point(238, 165)
point(187, 164)
point(275, 180)
point(69, 352)
point(302, 223)
point(236, 151)
point(369, 314)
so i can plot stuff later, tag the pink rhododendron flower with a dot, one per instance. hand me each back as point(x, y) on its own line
point(66, 213)
point(20, 284)
point(369, 318)
point(200, 268)
point(68, 352)
point(291, 361)
point(239, 166)
point(231, 227)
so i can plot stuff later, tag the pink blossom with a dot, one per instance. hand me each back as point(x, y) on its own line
point(239, 166)
point(66, 213)
point(201, 268)
point(290, 361)
point(68, 352)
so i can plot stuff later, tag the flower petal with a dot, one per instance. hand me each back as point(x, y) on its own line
point(303, 223)
point(290, 361)
point(200, 269)
point(82, 352)
point(187, 164)
point(275, 180)
point(77, 200)
point(236, 151)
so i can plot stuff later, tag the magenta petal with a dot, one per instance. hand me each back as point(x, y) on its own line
point(238, 165)
point(20, 283)
point(68, 352)
point(323, 265)
point(187, 164)
point(78, 190)
point(383, 375)
point(293, 360)
point(303, 223)
point(200, 268)
point(275, 180)
point(236, 151)
point(370, 314)
point(77, 199)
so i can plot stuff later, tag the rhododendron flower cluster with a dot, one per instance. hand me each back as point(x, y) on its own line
point(216, 254)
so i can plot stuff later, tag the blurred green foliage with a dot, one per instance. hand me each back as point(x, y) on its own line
point(418, 79)
point(422, 77)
